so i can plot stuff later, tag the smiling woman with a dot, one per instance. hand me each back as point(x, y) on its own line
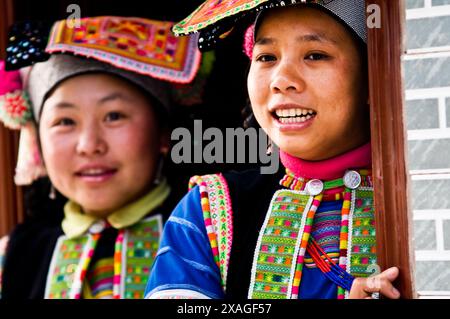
point(101, 148)
point(309, 231)
point(309, 64)
point(102, 137)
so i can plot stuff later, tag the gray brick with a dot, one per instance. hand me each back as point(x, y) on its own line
point(422, 114)
point(412, 4)
point(427, 73)
point(440, 2)
point(446, 234)
point(429, 154)
point(448, 111)
point(425, 235)
point(433, 275)
point(428, 32)
point(431, 194)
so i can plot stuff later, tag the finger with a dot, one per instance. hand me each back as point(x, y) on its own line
point(382, 285)
point(388, 290)
point(357, 290)
point(391, 273)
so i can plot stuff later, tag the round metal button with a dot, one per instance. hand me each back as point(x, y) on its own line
point(352, 179)
point(314, 187)
point(97, 227)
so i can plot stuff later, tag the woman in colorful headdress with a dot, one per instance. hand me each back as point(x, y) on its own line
point(309, 230)
point(93, 110)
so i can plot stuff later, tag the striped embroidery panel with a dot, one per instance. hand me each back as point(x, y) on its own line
point(326, 229)
point(68, 253)
point(277, 245)
point(142, 242)
point(363, 256)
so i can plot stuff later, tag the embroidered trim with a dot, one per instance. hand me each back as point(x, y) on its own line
point(348, 267)
point(204, 16)
point(279, 245)
point(139, 249)
point(304, 243)
point(135, 253)
point(218, 217)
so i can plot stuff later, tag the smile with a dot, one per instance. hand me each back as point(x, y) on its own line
point(96, 174)
point(293, 115)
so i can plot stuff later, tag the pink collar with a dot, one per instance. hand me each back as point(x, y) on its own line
point(329, 169)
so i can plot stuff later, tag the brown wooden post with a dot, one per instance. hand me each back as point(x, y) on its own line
point(11, 203)
point(393, 213)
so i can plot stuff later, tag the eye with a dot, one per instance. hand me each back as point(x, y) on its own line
point(114, 116)
point(316, 57)
point(265, 58)
point(64, 122)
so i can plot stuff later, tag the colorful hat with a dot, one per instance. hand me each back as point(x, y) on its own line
point(45, 76)
point(140, 45)
point(142, 51)
point(215, 19)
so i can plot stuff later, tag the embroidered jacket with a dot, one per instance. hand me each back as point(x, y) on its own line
point(41, 260)
point(240, 235)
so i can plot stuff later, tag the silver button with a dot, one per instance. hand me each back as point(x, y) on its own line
point(314, 187)
point(97, 227)
point(352, 179)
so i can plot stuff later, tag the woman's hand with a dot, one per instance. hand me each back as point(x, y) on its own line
point(363, 288)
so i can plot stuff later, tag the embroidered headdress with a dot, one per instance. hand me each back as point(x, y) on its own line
point(215, 19)
point(141, 51)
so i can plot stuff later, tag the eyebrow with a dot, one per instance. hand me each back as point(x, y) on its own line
point(111, 97)
point(103, 100)
point(310, 37)
point(64, 105)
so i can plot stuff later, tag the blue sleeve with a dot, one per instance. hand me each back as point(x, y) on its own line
point(184, 266)
point(3, 245)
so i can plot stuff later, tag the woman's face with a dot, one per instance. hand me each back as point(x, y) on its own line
point(100, 142)
point(307, 85)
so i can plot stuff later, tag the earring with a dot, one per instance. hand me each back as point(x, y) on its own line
point(159, 171)
point(269, 147)
point(52, 194)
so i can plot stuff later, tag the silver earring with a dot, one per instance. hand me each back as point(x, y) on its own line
point(269, 147)
point(52, 194)
point(159, 171)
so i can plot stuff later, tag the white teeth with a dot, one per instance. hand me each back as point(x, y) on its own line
point(93, 171)
point(294, 115)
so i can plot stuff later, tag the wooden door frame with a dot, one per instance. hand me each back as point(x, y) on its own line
point(390, 171)
point(11, 198)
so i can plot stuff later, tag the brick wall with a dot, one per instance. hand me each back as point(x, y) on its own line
point(426, 67)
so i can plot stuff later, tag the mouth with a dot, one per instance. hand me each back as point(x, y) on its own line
point(96, 174)
point(293, 115)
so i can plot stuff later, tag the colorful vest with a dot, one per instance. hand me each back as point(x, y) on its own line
point(281, 244)
point(140, 244)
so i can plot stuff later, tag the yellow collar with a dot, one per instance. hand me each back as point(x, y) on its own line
point(76, 223)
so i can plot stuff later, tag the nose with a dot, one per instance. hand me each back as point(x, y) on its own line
point(287, 78)
point(91, 141)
